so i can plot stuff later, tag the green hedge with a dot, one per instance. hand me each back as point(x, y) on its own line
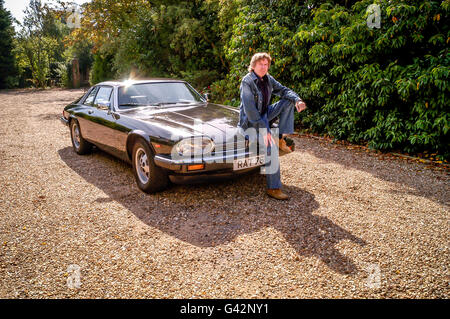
point(386, 86)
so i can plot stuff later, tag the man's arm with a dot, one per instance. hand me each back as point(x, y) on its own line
point(286, 93)
point(283, 92)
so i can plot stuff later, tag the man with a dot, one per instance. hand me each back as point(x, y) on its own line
point(256, 112)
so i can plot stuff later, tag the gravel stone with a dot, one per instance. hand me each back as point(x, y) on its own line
point(78, 227)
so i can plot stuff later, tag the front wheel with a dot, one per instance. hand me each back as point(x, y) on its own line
point(80, 145)
point(149, 177)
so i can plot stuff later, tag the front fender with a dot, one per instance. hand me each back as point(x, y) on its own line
point(133, 136)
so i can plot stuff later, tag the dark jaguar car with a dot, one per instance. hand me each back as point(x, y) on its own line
point(165, 128)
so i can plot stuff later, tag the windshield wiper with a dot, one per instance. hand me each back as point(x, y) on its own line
point(132, 104)
point(170, 103)
point(156, 104)
point(162, 103)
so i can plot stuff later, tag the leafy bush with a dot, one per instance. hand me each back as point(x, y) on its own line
point(101, 69)
point(382, 86)
point(386, 86)
point(64, 74)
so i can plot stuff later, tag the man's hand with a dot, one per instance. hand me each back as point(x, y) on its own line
point(300, 106)
point(268, 140)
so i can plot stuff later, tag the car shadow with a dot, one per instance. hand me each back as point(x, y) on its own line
point(212, 214)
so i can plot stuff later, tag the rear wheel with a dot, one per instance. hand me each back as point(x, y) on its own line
point(149, 177)
point(80, 145)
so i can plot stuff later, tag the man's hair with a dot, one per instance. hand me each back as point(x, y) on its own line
point(256, 57)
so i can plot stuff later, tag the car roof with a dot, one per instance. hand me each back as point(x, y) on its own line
point(140, 81)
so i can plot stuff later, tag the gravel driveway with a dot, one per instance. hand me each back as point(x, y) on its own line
point(78, 227)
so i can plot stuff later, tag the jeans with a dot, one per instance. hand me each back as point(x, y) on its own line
point(285, 110)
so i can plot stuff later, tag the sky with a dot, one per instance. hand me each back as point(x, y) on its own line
point(16, 7)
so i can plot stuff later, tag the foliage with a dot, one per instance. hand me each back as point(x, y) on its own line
point(157, 39)
point(104, 22)
point(101, 69)
point(39, 44)
point(34, 53)
point(7, 60)
point(385, 87)
point(64, 74)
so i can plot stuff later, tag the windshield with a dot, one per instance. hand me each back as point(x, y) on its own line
point(158, 94)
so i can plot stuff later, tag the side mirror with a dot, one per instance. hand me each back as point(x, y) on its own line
point(104, 105)
point(206, 96)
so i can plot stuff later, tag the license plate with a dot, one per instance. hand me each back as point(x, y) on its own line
point(243, 163)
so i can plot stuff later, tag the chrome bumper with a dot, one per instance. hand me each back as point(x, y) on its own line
point(64, 120)
point(212, 163)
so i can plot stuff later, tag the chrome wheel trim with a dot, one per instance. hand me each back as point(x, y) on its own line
point(76, 135)
point(142, 165)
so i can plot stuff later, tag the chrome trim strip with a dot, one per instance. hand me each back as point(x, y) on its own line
point(64, 121)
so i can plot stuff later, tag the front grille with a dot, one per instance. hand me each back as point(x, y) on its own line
point(231, 148)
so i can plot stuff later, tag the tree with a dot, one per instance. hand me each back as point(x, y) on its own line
point(8, 71)
point(40, 44)
point(154, 38)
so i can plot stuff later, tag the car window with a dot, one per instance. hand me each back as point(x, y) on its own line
point(91, 96)
point(103, 95)
point(156, 94)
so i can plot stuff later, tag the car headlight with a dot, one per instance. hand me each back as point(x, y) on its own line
point(194, 146)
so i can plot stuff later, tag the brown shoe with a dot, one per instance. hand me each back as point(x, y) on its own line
point(283, 147)
point(277, 194)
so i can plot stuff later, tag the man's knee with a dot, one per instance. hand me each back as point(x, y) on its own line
point(288, 106)
point(288, 103)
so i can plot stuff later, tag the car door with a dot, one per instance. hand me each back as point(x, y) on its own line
point(106, 132)
point(85, 115)
point(98, 114)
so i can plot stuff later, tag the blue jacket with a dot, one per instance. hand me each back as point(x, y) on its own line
point(252, 99)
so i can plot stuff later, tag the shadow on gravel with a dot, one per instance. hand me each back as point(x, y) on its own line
point(211, 214)
point(48, 117)
point(420, 185)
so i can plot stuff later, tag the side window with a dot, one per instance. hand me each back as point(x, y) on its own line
point(90, 97)
point(104, 95)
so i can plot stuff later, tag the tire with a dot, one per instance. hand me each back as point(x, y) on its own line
point(149, 177)
point(80, 145)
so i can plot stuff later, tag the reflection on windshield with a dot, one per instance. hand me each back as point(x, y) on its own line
point(157, 94)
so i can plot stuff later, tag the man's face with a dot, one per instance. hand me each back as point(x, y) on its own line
point(261, 67)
